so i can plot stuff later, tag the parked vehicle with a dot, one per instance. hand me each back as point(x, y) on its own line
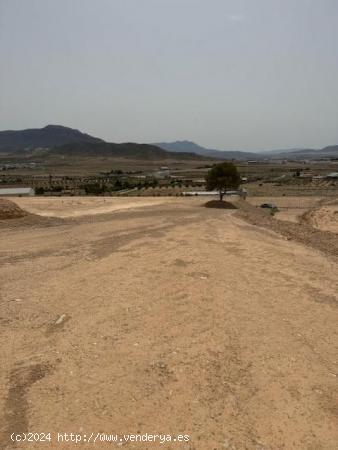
point(268, 205)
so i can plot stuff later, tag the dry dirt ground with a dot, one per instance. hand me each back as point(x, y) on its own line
point(169, 318)
point(324, 217)
point(10, 210)
point(80, 206)
point(290, 208)
point(319, 212)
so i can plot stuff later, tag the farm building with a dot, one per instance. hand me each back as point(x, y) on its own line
point(332, 176)
point(306, 175)
point(17, 192)
point(164, 172)
point(190, 193)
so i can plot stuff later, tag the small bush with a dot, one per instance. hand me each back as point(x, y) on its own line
point(220, 204)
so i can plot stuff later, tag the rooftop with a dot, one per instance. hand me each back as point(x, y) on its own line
point(16, 191)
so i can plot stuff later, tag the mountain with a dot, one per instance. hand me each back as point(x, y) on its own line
point(181, 146)
point(66, 141)
point(47, 137)
point(59, 140)
point(326, 152)
point(188, 146)
point(282, 151)
point(127, 150)
point(292, 153)
point(331, 150)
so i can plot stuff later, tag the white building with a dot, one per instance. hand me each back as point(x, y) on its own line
point(332, 176)
point(190, 193)
point(17, 192)
point(162, 173)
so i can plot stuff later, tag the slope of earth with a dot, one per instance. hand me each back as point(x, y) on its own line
point(172, 319)
point(83, 206)
point(10, 210)
point(297, 228)
point(324, 218)
point(290, 208)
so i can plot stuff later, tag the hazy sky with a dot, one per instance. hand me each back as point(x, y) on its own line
point(228, 74)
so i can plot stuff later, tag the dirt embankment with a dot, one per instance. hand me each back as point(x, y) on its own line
point(72, 207)
point(11, 215)
point(302, 232)
point(324, 217)
point(9, 210)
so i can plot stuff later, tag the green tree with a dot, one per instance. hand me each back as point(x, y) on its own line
point(39, 191)
point(118, 184)
point(94, 188)
point(221, 177)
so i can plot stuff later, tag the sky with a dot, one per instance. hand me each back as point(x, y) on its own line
point(227, 74)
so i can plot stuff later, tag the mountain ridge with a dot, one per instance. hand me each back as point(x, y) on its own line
point(128, 150)
point(58, 138)
point(65, 141)
point(298, 153)
point(46, 137)
point(185, 145)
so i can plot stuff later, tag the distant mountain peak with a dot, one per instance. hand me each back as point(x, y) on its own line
point(52, 125)
point(49, 136)
point(57, 127)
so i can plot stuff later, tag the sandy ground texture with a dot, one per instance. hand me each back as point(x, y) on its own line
point(319, 212)
point(290, 208)
point(324, 218)
point(79, 206)
point(172, 319)
point(10, 210)
point(300, 230)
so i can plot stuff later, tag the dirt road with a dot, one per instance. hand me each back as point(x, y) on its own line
point(79, 206)
point(171, 319)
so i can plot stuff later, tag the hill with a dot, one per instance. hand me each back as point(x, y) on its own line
point(10, 210)
point(326, 152)
point(57, 139)
point(60, 140)
point(331, 150)
point(188, 146)
point(296, 153)
point(47, 137)
point(127, 150)
point(282, 151)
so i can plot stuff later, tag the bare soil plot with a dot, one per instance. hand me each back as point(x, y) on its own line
point(289, 208)
point(80, 206)
point(324, 218)
point(10, 210)
point(168, 319)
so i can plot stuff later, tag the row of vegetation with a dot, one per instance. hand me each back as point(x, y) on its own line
point(221, 177)
point(99, 188)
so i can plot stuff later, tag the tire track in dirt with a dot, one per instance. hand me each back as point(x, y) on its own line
point(16, 407)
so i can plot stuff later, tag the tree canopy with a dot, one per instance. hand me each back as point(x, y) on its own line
point(221, 177)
